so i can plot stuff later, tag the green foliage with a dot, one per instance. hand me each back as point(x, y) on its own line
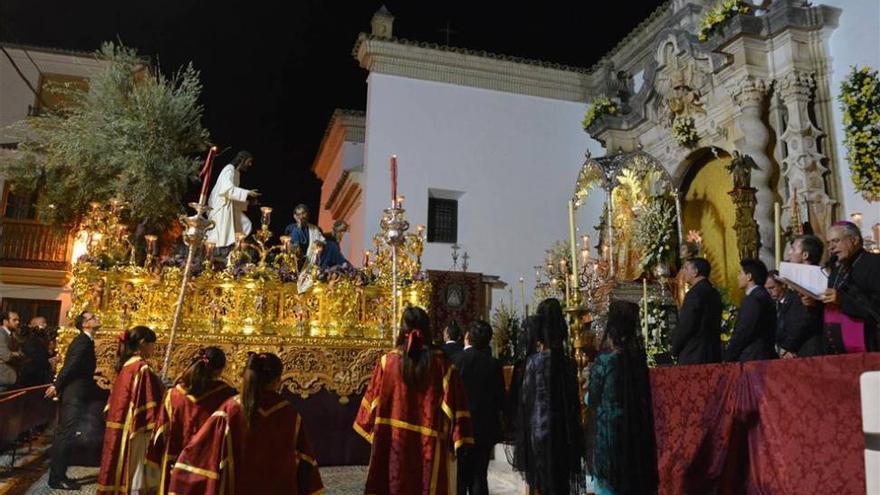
point(719, 15)
point(133, 135)
point(600, 106)
point(860, 102)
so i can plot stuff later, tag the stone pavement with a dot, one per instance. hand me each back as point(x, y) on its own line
point(29, 477)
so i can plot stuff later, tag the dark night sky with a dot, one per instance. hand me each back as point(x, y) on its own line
point(274, 71)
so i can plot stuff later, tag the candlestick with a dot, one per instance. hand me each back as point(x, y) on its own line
point(573, 241)
point(285, 243)
point(151, 243)
point(366, 259)
point(777, 234)
point(393, 179)
point(265, 215)
point(522, 295)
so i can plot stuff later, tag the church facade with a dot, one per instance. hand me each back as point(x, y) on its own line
point(502, 136)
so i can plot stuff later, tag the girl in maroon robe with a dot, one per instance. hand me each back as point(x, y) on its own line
point(199, 392)
point(415, 415)
point(255, 443)
point(132, 410)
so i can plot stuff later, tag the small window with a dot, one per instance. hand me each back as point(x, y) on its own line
point(442, 220)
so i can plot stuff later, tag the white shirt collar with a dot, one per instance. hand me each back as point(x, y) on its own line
point(467, 347)
point(451, 341)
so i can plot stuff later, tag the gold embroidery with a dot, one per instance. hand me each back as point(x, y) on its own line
point(199, 471)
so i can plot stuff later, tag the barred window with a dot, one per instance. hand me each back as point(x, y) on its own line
point(442, 220)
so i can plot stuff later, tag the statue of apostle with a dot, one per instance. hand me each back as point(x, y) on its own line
point(307, 240)
point(228, 202)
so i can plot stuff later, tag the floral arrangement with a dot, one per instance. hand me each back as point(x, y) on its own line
point(654, 229)
point(860, 102)
point(719, 15)
point(684, 130)
point(729, 312)
point(657, 325)
point(600, 106)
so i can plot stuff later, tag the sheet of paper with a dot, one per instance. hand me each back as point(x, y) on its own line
point(809, 277)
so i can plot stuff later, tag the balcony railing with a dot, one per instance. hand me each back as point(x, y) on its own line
point(31, 244)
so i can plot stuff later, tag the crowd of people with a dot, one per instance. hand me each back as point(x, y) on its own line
point(27, 354)
point(435, 409)
point(776, 320)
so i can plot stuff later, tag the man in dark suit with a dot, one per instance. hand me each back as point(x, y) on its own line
point(452, 340)
point(799, 327)
point(697, 338)
point(754, 336)
point(484, 383)
point(75, 386)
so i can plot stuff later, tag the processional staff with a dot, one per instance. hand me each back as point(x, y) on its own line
point(196, 226)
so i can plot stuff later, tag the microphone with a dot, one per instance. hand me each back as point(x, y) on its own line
point(832, 261)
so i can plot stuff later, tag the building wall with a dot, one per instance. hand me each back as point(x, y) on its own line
point(15, 96)
point(350, 156)
point(514, 160)
point(856, 41)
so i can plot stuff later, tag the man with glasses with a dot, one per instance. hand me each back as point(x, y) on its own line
point(76, 387)
point(852, 300)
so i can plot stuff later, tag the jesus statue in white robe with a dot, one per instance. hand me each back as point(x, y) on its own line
point(228, 203)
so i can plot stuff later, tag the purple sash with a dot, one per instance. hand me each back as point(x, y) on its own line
point(852, 330)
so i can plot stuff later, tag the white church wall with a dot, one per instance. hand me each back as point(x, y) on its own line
point(513, 158)
point(856, 41)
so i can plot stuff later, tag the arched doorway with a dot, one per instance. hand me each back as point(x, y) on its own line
point(708, 208)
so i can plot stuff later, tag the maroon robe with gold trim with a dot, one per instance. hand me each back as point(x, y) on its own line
point(226, 457)
point(179, 420)
point(413, 430)
point(132, 410)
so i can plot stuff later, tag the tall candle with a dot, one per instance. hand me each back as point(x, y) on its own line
point(265, 215)
point(151, 243)
point(645, 309)
point(572, 241)
point(366, 259)
point(777, 234)
point(522, 295)
point(393, 180)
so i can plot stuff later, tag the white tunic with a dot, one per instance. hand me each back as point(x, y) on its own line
point(228, 203)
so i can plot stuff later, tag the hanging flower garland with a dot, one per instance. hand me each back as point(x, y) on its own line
point(657, 326)
point(684, 130)
point(716, 18)
point(860, 102)
point(600, 106)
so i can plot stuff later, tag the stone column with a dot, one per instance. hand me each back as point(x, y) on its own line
point(748, 93)
point(803, 167)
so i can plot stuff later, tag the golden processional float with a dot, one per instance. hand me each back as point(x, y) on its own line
point(328, 336)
